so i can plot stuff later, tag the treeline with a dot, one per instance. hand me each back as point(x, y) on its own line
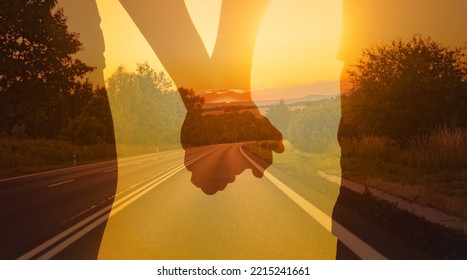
point(42, 94)
point(81, 116)
point(311, 128)
point(146, 110)
point(200, 129)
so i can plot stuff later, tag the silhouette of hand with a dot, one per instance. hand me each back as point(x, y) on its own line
point(216, 89)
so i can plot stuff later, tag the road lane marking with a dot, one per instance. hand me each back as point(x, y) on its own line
point(58, 243)
point(63, 234)
point(61, 183)
point(84, 226)
point(358, 246)
point(55, 250)
point(428, 213)
point(356, 187)
point(110, 170)
point(84, 166)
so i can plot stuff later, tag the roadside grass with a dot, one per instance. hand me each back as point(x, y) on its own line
point(444, 149)
point(19, 157)
point(26, 156)
point(303, 166)
point(437, 158)
point(430, 170)
point(397, 178)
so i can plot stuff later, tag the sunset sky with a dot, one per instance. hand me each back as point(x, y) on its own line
point(298, 42)
point(296, 45)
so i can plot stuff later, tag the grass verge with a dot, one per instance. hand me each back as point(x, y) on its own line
point(430, 170)
point(19, 157)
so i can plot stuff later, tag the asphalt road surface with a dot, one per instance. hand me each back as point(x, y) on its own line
point(214, 202)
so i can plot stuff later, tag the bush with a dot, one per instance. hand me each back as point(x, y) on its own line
point(405, 89)
point(19, 132)
point(84, 130)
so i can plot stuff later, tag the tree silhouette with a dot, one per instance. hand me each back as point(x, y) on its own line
point(92, 123)
point(37, 68)
point(406, 88)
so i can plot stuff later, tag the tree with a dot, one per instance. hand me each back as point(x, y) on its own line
point(406, 88)
point(93, 124)
point(279, 114)
point(37, 68)
point(313, 128)
point(144, 110)
point(223, 126)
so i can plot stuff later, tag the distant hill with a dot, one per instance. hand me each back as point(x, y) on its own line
point(301, 101)
point(262, 105)
point(299, 91)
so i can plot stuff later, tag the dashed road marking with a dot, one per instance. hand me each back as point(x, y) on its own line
point(61, 183)
point(110, 170)
point(58, 243)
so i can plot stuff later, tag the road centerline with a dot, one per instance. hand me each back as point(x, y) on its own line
point(110, 170)
point(61, 183)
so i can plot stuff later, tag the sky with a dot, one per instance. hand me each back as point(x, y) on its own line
point(296, 45)
point(300, 43)
point(368, 22)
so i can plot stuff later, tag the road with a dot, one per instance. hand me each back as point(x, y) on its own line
point(214, 202)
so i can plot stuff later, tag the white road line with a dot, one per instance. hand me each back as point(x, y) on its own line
point(55, 250)
point(96, 219)
point(173, 152)
point(75, 232)
point(61, 183)
point(84, 166)
point(110, 170)
point(428, 213)
point(63, 234)
point(358, 246)
point(82, 226)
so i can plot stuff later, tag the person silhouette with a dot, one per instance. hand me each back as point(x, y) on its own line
point(91, 36)
point(367, 23)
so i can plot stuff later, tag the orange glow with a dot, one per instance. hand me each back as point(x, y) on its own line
point(292, 47)
point(367, 23)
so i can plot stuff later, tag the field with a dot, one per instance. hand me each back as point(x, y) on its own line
point(430, 170)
